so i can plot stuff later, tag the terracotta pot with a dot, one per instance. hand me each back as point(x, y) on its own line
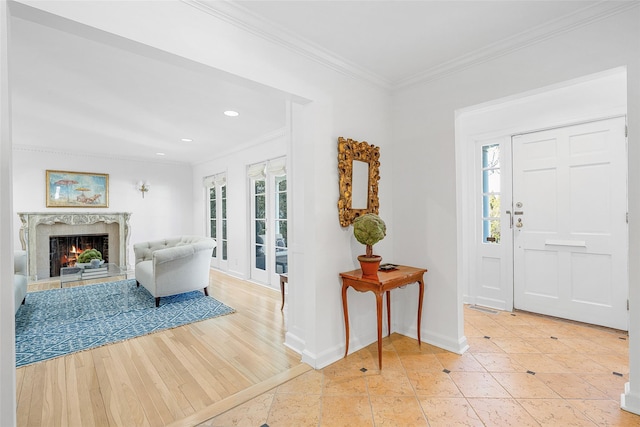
point(369, 266)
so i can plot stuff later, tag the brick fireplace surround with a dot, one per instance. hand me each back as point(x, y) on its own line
point(37, 227)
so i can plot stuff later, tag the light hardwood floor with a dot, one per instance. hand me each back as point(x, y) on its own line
point(181, 376)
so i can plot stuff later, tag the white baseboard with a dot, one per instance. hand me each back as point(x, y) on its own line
point(294, 342)
point(629, 401)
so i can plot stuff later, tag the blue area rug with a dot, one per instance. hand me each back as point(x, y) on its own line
point(62, 321)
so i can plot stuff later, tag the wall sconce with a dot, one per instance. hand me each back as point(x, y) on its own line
point(143, 187)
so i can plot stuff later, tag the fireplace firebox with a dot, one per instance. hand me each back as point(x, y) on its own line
point(64, 250)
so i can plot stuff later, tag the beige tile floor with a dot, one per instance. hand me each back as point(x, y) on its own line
point(521, 370)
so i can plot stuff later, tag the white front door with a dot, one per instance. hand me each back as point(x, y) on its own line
point(570, 230)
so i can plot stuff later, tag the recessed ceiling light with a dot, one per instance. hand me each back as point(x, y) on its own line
point(186, 140)
point(159, 154)
point(231, 113)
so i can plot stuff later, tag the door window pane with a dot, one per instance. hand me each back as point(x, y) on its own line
point(260, 244)
point(260, 214)
point(218, 217)
point(491, 194)
point(260, 206)
point(213, 229)
point(280, 222)
point(223, 203)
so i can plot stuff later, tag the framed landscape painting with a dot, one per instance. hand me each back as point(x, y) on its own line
point(77, 189)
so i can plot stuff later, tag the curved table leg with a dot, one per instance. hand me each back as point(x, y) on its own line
point(379, 316)
point(389, 313)
point(420, 297)
point(346, 317)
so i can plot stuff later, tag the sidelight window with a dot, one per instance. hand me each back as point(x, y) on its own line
point(491, 194)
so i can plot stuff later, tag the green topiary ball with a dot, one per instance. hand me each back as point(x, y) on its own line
point(369, 229)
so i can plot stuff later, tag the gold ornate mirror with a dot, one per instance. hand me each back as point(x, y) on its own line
point(358, 164)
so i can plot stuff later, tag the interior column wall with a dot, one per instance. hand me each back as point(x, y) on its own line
point(7, 319)
point(631, 397)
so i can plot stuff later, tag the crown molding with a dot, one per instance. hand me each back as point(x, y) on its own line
point(538, 34)
point(241, 17)
point(246, 20)
point(77, 153)
point(278, 133)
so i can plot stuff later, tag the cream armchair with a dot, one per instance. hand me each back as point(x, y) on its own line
point(174, 266)
point(19, 277)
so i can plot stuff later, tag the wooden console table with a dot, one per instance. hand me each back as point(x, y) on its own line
point(387, 280)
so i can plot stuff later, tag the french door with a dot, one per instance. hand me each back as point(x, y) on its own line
point(269, 221)
point(569, 222)
point(217, 209)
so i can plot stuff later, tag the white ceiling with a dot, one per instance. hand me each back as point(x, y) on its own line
point(396, 40)
point(70, 93)
point(68, 88)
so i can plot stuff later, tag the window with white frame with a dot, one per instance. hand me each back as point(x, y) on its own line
point(217, 207)
point(491, 194)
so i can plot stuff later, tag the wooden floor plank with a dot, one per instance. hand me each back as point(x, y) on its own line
point(89, 376)
point(76, 390)
point(37, 401)
point(148, 374)
point(160, 379)
point(170, 381)
point(24, 397)
point(150, 403)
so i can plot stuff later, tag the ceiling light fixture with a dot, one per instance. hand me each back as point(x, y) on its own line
point(231, 113)
point(159, 154)
point(186, 140)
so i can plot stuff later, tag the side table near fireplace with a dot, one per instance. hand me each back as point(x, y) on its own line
point(387, 280)
point(75, 274)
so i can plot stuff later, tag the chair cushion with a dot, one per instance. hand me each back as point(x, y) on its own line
point(144, 272)
point(20, 289)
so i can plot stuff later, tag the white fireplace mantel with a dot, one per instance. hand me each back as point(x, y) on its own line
point(31, 221)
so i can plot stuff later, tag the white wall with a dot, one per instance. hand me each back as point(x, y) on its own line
point(165, 211)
